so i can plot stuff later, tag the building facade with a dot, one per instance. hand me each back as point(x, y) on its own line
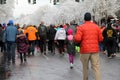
point(62, 1)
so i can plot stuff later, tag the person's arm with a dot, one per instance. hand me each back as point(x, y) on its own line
point(78, 35)
point(56, 36)
point(100, 35)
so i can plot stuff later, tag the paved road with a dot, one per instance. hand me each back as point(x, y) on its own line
point(57, 68)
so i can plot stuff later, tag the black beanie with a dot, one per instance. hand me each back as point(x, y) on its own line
point(87, 16)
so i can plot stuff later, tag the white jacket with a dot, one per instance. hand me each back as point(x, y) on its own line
point(60, 34)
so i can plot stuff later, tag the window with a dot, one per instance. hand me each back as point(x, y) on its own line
point(2, 1)
point(77, 0)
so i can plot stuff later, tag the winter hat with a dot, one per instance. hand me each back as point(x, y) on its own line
point(4, 24)
point(87, 16)
point(69, 31)
point(10, 22)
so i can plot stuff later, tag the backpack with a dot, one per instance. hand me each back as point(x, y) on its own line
point(42, 31)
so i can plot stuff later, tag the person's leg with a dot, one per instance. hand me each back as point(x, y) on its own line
point(41, 45)
point(49, 46)
point(108, 48)
point(44, 46)
point(25, 57)
point(71, 58)
point(59, 47)
point(33, 47)
point(53, 46)
point(63, 45)
point(85, 61)
point(8, 52)
point(29, 51)
point(13, 52)
point(1, 45)
point(21, 58)
point(95, 63)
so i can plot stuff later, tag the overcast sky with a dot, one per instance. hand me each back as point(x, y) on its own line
point(22, 6)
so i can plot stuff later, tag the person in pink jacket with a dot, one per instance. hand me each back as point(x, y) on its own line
point(89, 36)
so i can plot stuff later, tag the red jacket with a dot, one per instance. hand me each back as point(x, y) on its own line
point(88, 35)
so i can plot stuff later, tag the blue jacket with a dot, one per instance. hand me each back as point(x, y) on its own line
point(11, 33)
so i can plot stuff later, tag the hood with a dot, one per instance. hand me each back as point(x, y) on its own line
point(61, 30)
point(11, 22)
point(70, 31)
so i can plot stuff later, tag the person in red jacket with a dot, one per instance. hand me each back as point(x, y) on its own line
point(89, 36)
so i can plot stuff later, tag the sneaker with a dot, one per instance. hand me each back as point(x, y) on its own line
point(113, 55)
point(61, 55)
point(13, 62)
point(44, 55)
point(71, 65)
point(110, 57)
point(105, 52)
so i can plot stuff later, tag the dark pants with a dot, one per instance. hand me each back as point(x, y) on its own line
point(1, 45)
point(110, 46)
point(61, 46)
point(31, 47)
point(42, 44)
point(11, 51)
point(51, 46)
point(23, 57)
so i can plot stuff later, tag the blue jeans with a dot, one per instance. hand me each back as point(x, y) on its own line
point(11, 50)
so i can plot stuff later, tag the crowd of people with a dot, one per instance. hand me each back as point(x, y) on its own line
point(90, 38)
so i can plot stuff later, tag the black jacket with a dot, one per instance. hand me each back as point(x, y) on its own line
point(51, 33)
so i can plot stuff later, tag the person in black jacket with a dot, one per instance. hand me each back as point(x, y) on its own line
point(109, 35)
point(51, 35)
point(42, 33)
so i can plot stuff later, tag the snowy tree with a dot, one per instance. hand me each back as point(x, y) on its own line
point(6, 11)
point(71, 10)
